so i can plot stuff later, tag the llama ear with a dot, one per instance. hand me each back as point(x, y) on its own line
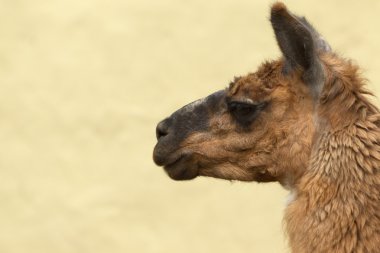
point(299, 44)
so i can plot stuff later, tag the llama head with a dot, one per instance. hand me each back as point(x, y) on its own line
point(261, 127)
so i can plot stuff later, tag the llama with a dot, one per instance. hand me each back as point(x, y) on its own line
point(304, 121)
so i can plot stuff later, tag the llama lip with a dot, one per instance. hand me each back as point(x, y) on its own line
point(163, 158)
point(182, 168)
point(171, 164)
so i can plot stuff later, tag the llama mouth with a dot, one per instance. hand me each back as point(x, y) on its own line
point(179, 165)
point(171, 164)
point(183, 168)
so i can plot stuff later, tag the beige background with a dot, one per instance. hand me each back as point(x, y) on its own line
point(82, 85)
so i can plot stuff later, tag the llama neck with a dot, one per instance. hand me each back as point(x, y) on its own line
point(351, 154)
point(338, 198)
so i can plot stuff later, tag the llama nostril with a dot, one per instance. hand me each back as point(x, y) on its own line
point(161, 130)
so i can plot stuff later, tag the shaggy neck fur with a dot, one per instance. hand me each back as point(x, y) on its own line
point(337, 208)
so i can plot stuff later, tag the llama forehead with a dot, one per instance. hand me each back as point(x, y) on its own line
point(248, 89)
point(258, 85)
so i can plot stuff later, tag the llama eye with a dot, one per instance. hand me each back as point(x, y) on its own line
point(243, 112)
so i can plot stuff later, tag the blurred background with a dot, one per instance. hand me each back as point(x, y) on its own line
point(82, 86)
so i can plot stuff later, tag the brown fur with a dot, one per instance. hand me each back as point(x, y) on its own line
point(325, 150)
point(278, 148)
point(337, 208)
point(338, 197)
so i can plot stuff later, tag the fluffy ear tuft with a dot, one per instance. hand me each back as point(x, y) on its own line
point(298, 42)
point(279, 7)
